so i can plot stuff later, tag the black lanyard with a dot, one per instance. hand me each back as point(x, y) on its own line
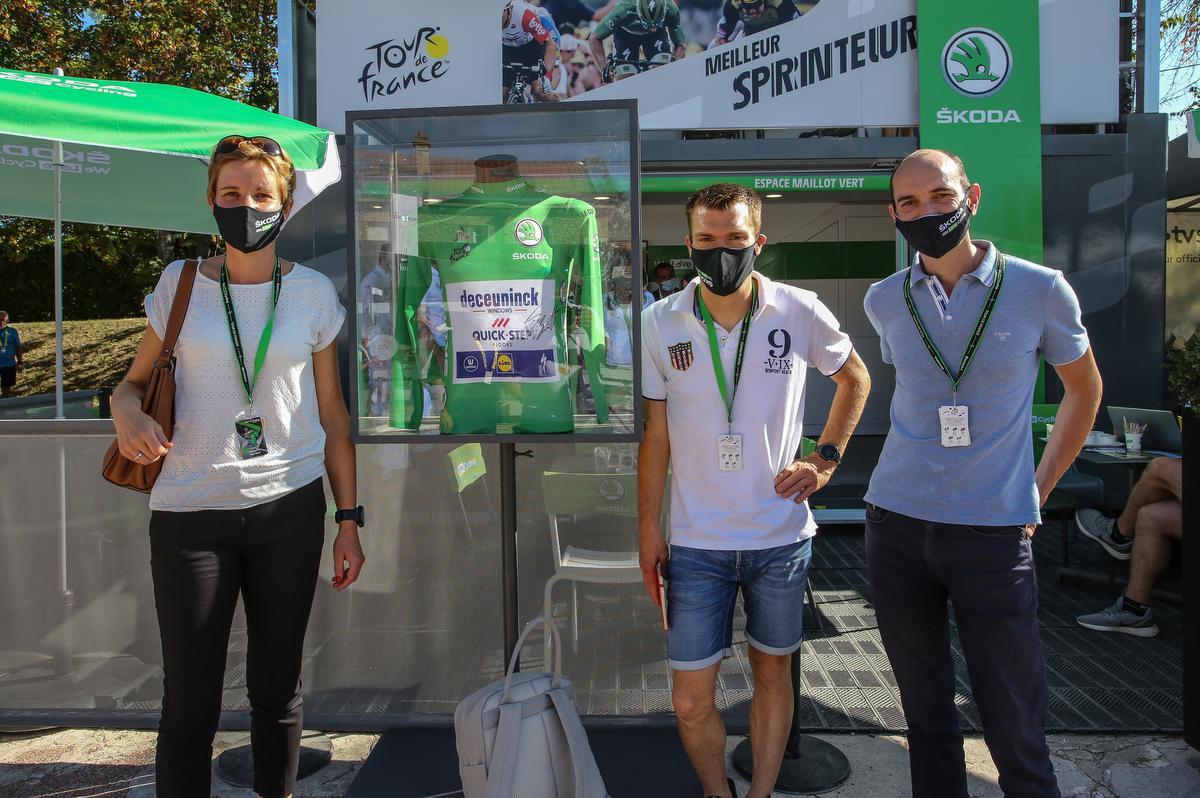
point(248, 381)
point(976, 337)
point(728, 396)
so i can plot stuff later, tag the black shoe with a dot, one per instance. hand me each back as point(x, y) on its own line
point(732, 791)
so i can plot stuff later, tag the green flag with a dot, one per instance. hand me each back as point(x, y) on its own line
point(467, 461)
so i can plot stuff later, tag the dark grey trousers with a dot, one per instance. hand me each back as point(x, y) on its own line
point(987, 573)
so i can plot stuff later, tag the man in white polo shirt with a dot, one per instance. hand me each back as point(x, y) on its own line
point(724, 363)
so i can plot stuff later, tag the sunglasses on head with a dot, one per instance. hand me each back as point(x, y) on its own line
point(230, 144)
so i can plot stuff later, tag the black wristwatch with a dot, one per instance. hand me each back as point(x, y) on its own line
point(354, 514)
point(830, 452)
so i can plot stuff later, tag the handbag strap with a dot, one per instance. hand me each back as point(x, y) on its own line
point(179, 307)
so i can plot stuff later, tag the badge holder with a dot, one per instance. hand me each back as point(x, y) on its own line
point(252, 441)
point(956, 430)
point(729, 452)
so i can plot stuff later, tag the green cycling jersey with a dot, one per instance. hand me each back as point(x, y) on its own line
point(624, 16)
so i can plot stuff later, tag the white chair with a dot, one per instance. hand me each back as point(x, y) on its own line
point(569, 497)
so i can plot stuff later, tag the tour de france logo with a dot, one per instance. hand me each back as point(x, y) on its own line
point(528, 232)
point(976, 62)
point(403, 62)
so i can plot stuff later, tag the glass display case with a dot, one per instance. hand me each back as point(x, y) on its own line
point(497, 290)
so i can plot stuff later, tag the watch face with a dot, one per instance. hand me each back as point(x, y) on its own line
point(829, 452)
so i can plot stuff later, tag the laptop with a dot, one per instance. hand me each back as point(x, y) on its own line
point(1162, 430)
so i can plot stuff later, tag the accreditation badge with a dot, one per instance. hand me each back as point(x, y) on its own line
point(955, 429)
point(729, 452)
point(251, 440)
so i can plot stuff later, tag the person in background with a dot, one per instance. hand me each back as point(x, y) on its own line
point(954, 499)
point(618, 320)
point(664, 278)
point(11, 352)
point(748, 17)
point(1145, 531)
point(239, 507)
point(376, 311)
point(526, 42)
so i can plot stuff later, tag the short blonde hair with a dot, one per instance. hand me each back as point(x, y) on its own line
point(280, 166)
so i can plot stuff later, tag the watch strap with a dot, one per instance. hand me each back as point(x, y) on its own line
point(354, 514)
point(827, 449)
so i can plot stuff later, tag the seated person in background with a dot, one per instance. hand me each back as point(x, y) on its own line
point(1152, 518)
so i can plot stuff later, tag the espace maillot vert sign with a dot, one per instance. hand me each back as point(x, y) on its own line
point(843, 63)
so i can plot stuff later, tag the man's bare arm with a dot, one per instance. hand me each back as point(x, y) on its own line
point(805, 477)
point(654, 454)
point(1076, 413)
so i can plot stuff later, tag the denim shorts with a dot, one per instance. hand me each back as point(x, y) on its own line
point(703, 585)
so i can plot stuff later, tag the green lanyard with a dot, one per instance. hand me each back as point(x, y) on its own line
point(976, 337)
point(718, 367)
point(235, 335)
point(4, 341)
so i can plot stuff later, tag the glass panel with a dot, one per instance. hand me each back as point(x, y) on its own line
point(497, 288)
point(578, 554)
point(420, 630)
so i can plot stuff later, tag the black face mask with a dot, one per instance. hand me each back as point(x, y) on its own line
point(248, 229)
point(935, 235)
point(723, 270)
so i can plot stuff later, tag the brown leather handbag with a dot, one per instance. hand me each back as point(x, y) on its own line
point(159, 401)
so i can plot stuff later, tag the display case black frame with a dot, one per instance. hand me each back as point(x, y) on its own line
point(353, 118)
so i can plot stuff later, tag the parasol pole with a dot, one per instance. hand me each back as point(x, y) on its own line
point(58, 286)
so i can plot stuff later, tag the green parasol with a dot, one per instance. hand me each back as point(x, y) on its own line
point(130, 154)
point(134, 154)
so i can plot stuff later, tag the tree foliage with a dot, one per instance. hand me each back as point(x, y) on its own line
point(224, 48)
point(1181, 35)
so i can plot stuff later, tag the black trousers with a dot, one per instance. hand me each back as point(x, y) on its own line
point(201, 561)
point(987, 573)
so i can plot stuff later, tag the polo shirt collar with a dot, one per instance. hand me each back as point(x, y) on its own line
point(985, 273)
point(685, 301)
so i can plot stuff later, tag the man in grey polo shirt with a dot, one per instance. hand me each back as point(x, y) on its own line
point(955, 499)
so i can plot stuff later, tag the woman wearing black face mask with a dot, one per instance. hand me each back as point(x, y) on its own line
point(239, 505)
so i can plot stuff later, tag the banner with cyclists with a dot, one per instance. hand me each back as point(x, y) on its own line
point(689, 63)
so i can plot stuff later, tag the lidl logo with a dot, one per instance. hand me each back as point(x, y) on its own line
point(976, 62)
point(528, 232)
point(504, 364)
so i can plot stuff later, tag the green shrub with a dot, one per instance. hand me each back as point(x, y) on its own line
point(1183, 372)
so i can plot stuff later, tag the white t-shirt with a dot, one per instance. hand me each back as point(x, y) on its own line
point(791, 331)
point(204, 470)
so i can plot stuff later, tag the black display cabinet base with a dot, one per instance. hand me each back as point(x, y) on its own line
point(235, 765)
point(422, 762)
point(812, 768)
